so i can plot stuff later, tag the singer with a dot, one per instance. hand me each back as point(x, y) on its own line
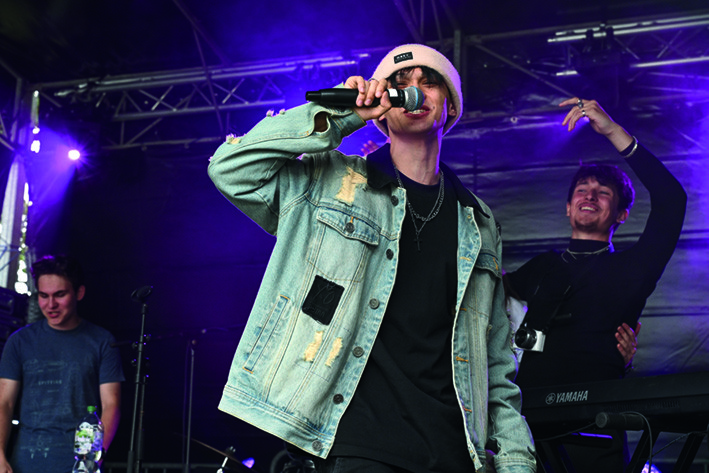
point(378, 341)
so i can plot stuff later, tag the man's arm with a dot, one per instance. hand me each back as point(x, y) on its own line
point(260, 172)
point(667, 196)
point(110, 411)
point(9, 390)
point(668, 199)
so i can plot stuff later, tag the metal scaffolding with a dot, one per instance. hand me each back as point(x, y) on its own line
point(659, 60)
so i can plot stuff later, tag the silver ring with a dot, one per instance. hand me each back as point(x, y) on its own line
point(583, 112)
point(579, 104)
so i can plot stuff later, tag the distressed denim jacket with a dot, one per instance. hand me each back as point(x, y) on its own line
point(337, 220)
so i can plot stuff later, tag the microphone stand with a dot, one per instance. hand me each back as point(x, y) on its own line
point(135, 452)
point(192, 344)
point(230, 454)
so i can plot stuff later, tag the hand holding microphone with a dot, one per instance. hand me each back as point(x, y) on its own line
point(410, 98)
point(371, 96)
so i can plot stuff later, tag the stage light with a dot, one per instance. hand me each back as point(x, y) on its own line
point(34, 147)
point(74, 154)
point(35, 130)
point(34, 109)
point(248, 463)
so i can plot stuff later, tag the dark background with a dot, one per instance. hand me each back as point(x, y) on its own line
point(145, 213)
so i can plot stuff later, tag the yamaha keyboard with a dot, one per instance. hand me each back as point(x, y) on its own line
point(670, 403)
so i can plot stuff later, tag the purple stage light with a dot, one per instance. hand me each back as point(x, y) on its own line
point(74, 154)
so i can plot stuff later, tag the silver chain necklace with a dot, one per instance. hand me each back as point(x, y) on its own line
point(576, 254)
point(415, 216)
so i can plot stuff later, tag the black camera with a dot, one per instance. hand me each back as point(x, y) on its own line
point(529, 339)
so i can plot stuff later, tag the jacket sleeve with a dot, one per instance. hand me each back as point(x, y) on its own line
point(508, 433)
point(261, 172)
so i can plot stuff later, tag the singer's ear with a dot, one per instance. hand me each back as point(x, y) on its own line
point(452, 112)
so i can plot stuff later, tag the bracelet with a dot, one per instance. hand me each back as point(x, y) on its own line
point(630, 150)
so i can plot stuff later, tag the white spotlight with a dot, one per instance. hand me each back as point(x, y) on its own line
point(74, 154)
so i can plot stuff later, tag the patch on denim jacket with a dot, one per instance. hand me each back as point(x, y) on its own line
point(322, 300)
point(349, 185)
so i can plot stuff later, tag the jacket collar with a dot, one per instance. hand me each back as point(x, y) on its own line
point(380, 172)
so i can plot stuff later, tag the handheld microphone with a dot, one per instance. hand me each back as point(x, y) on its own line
point(410, 98)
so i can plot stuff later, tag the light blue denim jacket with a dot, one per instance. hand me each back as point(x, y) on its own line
point(340, 217)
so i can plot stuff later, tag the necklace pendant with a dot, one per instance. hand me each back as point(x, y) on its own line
point(431, 215)
point(418, 242)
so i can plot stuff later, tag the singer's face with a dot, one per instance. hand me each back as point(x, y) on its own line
point(57, 301)
point(432, 116)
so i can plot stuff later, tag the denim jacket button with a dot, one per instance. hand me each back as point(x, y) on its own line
point(373, 303)
point(349, 228)
point(390, 254)
point(394, 200)
point(358, 352)
point(338, 398)
point(317, 445)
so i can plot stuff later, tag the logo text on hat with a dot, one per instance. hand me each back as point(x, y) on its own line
point(403, 57)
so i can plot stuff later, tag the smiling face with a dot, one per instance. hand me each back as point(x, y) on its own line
point(57, 301)
point(593, 210)
point(431, 118)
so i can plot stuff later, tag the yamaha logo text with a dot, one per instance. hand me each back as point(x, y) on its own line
point(571, 396)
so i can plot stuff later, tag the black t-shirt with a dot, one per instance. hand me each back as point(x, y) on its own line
point(405, 411)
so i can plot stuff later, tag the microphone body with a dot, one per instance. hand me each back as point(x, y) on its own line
point(141, 294)
point(625, 421)
point(410, 98)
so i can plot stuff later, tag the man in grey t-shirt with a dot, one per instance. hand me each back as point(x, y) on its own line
point(51, 371)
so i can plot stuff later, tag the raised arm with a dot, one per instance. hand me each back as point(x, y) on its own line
point(668, 198)
point(260, 172)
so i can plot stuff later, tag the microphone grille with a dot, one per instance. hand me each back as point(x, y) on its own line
point(413, 98)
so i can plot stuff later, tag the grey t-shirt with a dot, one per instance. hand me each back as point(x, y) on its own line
point(59, 373)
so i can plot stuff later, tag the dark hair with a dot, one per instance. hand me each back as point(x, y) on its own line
point(610, 176)
point(429, 74)
point(59, 265)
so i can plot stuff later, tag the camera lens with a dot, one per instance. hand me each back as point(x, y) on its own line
point(525, 338)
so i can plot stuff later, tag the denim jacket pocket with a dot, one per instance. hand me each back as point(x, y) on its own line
point(262, 339)
point(342, 243)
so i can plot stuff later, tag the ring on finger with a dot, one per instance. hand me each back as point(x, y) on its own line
point(583, 112)
point(579, 104)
